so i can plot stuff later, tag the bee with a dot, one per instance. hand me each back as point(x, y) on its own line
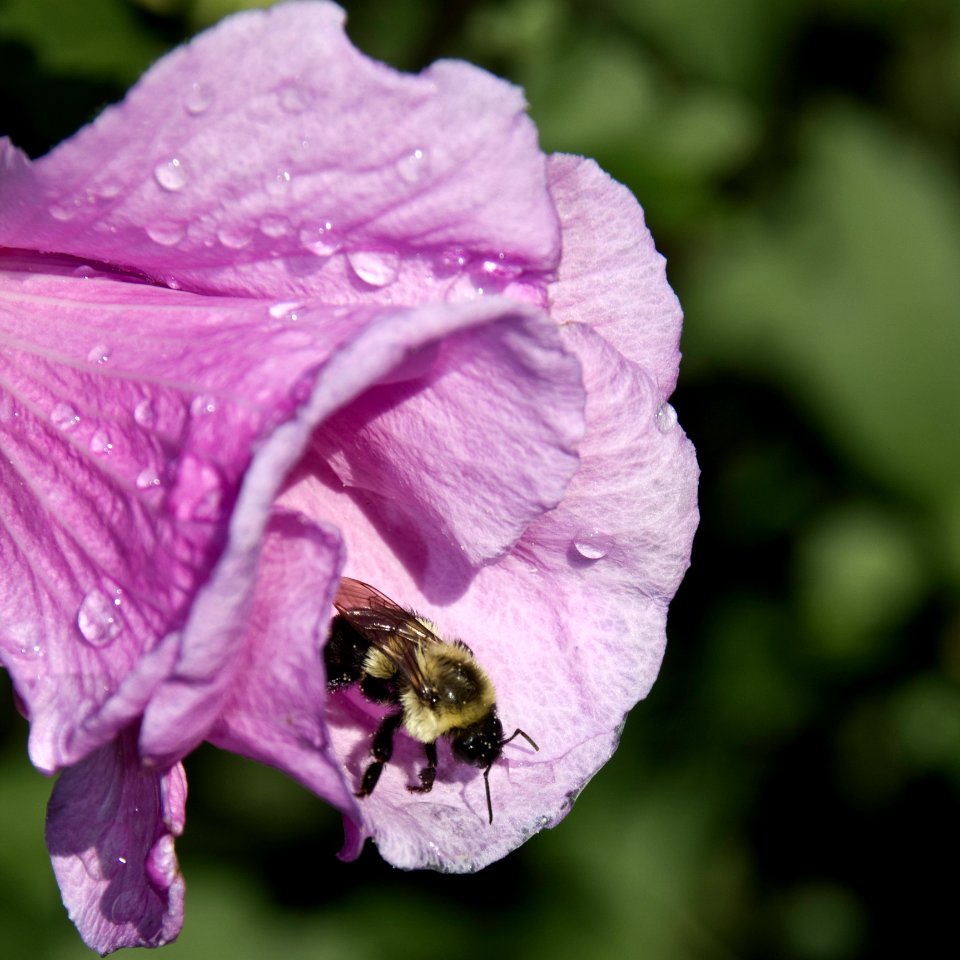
point(436, 687)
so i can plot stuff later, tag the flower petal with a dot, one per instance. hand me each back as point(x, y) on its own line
point(110, 829)
point(570, 627)
point(185, 705)
point(126, 425)
point(612, 277)
point(275, 712)
point(457, 462)
point(269, 143)
point(151, 429)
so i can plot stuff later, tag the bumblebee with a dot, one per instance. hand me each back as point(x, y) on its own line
point(436, 687)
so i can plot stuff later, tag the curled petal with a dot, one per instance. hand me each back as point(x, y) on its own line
point(110, 830)
point(183, 708)
point(457, 462)
point(275, 712)
point(570, 626)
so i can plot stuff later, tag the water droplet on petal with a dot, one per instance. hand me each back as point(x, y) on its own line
point(8, 408)
point(62, 212)
point(148, 478)
point(109, 190)
point(144, 413)
point(286, 310)
point(499, 267)
point(98, 619)
point(295, 98)
point(166, 233)
point(376, 268)
point(198, 98)
point(100, 443)
point(414, 167)
point(279, 184)
point(203, 404)
point(666, 418)
point(170, 174)
point(99, 353)
point(234, 237)
point(64, 416)
point(462, 289)
point(319, 240)
point(274, 226)
point(592, 544)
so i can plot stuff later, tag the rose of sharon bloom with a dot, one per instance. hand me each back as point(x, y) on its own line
point(284, 315)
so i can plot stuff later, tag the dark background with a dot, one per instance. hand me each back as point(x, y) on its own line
point(790, 787)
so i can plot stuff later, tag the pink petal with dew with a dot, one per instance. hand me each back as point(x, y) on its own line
point(270, 157)
point(128, 415)
point(188, 702)
point(110, 829)
point(612, 277)
point(570, 626)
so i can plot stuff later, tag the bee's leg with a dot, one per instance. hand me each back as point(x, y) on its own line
point(429, 773)
point(381, 750)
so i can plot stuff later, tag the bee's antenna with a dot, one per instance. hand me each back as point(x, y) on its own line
point(486, 783)
point(519, 733)
point(486, 773)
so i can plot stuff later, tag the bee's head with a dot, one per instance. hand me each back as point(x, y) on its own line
point(481, 745)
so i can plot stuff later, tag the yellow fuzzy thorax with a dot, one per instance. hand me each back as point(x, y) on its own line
point(450, 692)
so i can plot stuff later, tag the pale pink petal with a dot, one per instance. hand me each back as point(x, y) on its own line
point(457, 462)
point(243, 160)
point(570, 625)
point(110, 830)
point(185, 705)
point(612, 277)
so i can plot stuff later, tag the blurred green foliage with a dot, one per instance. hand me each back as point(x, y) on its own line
point(792, 781)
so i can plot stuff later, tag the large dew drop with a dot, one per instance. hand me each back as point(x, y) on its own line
point(413, 167)
point(233, 237)
point(98, 618)
point(320, 240)
point(170, 174)
point(64, 417)
point(375, 268)
point(592, 544)
point(666, 418)
point(100, 443)
point(99, 353)
point(144, 413)
point(165, 232)
point(198, 99)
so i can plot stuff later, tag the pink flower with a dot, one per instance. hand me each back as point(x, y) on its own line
point(285, 314)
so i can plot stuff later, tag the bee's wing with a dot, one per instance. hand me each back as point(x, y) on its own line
point(397, 633)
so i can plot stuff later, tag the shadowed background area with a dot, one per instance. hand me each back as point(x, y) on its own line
point(791, 784)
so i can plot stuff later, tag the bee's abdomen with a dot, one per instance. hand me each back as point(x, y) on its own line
point(344, 654)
